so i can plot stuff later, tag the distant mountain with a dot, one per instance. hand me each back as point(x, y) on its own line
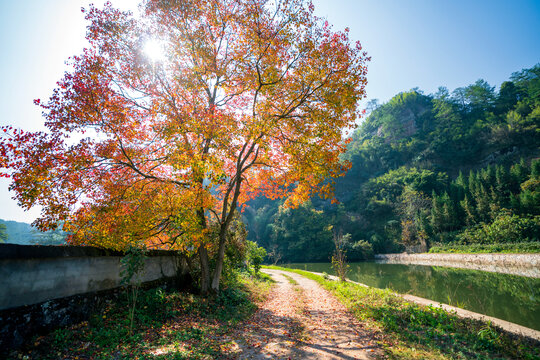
point(24, 234)
point(18, 232)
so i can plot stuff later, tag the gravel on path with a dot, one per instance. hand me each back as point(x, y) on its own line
point(301, 320)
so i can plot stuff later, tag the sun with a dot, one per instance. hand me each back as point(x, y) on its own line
point(153, 49)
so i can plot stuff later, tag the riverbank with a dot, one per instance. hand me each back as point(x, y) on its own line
point(511, 327)
point(408, 330)
point(514, 264)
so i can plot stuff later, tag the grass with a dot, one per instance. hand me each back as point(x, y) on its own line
point(290, 280)
point(168, 325)
point(411, 331)
point(516, 248)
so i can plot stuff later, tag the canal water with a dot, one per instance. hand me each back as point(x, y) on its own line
point(508, 297)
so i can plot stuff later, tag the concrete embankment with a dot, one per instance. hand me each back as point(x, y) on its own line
point(514, 264)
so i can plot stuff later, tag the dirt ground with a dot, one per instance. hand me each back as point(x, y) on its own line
point(301, 320)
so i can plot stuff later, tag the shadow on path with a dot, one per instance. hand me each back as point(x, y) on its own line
point(301, 321)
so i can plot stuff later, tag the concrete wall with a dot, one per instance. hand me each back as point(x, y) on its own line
point(44, 287)
point(515, 264)
point(33, 274)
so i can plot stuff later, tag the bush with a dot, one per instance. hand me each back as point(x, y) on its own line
point(524, 247)
point(505, 228)
point(362, 250)
point(339, 257)
point(255, 255)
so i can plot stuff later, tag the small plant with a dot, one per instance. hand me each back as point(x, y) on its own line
point(255, 256)
point(131, 273)
point(61, 337)
point(339, 258)
point(488, 334)
point(325, 276)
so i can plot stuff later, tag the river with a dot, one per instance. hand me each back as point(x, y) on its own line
point(508, 297)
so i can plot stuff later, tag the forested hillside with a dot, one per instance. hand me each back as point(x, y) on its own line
point(24, 234)
point(454, 168)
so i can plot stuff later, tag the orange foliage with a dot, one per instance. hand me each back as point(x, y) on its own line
point(250, 98)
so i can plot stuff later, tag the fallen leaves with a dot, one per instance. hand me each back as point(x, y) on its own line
point(301, 320)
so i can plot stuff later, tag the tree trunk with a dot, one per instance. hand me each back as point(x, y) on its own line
point(205, 270)
point(219, 260)
point(203, 257)
point(226, 220)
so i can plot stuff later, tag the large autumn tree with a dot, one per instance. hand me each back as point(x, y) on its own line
point(237, 99)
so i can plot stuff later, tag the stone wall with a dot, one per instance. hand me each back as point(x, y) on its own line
point(43, 287)
point(515, 264)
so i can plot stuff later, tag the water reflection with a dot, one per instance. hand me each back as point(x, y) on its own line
point(508, 297)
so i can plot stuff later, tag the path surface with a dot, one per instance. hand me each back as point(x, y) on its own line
point(301, 320)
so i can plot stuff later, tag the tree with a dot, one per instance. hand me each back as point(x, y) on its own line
point(301, 234)
point(255, 256)
point(244, 98)
point(469, 209)
point(3, 233)
point(507, 99)
point(339, 257)
point(413, 210)
point(480, 95)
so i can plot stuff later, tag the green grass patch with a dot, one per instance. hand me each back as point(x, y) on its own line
point(516, 248)
point(412, 331)
point(291, 280)
point(168, 325)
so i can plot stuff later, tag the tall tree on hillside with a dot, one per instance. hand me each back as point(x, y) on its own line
point(190, 111)
point(507, 98)
point(413, 210)
point(3, 233)
point(528, 84)
point(469, 210)
point(480, 97)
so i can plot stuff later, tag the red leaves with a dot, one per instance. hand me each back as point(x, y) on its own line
point(212, 129)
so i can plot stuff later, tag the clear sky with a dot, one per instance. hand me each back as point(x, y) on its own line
point(413, 43)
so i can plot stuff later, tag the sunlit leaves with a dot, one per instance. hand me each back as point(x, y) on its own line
point(248, 98)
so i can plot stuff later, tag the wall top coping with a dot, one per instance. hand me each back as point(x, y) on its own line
point(15, 251)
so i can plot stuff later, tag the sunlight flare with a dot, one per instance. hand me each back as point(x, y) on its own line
point(153, 49)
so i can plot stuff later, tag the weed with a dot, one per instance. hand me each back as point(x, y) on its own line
point(61, 337)
point(132, 270)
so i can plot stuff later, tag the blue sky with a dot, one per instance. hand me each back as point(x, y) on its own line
point(413, 43)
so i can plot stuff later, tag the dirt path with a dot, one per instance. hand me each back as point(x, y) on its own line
point(301, 320)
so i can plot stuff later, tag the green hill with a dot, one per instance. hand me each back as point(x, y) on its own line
point(24, 234)
point(455, 168)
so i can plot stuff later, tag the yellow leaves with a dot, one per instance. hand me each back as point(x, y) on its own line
point(242, 96)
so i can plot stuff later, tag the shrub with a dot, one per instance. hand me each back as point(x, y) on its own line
point(523, 247)
point(505, 228)
point(362, 249)
point(255, 255)
point(339, 257)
